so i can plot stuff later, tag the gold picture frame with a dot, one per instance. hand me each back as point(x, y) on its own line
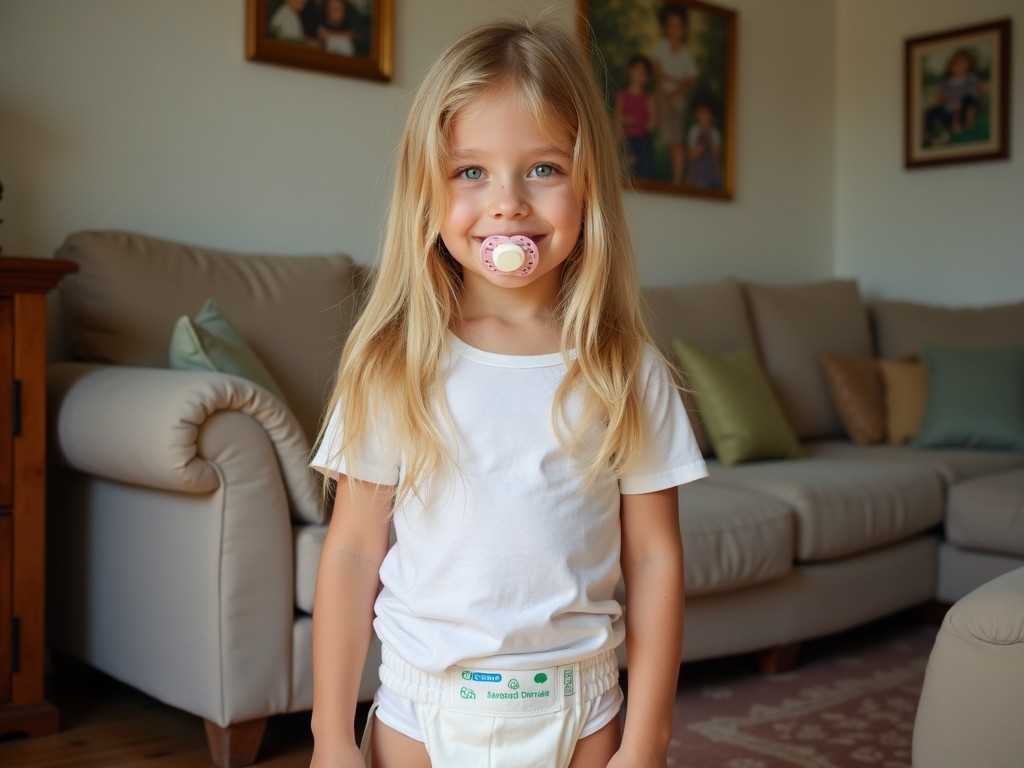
point(685, 100)
point(341, 37)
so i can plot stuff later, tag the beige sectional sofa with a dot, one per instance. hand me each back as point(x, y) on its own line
point(185, 529)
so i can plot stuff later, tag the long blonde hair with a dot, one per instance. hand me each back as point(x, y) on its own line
point(391, 365)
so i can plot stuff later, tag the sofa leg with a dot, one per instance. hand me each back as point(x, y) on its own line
point(781, 658)
point(235, 745)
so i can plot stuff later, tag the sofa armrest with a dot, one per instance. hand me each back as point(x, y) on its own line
point(142, 426)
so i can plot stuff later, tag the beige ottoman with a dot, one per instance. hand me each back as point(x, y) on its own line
point(972, 704)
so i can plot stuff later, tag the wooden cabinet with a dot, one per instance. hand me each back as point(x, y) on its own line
point(24, 284)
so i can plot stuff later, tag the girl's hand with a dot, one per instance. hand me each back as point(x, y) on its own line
point(343, 756)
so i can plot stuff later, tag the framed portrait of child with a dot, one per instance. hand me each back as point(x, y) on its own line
point(957, 95)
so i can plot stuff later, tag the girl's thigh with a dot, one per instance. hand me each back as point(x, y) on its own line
point(391, 749)
point(597, 748)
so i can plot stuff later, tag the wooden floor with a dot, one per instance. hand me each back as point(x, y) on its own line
point(105, 724)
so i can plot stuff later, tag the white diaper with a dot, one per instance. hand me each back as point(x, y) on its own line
point(497, 718)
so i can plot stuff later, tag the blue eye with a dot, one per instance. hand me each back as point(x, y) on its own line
point(473, 174)
point(544, 171)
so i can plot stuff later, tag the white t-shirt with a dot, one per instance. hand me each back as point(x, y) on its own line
point(510, 562)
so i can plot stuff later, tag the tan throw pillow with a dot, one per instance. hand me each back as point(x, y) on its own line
point(906, 393)
point(856, 388)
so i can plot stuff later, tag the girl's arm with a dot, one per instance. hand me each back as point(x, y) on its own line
point(347, 581)
point(652, 567)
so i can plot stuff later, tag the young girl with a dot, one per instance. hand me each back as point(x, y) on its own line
point(517, 429)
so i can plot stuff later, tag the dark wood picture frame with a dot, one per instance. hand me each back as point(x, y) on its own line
point(957, 95)
point(688, 143)
point(358, 45)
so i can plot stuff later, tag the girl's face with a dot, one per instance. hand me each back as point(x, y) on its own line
point(507, 177)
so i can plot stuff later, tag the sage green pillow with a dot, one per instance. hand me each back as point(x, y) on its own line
point(208, 342)
point(975, 398)
point(741, 414)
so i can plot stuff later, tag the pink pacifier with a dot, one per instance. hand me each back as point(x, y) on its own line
point(516, 255)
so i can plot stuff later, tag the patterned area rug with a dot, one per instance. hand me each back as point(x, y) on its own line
point(851, 702)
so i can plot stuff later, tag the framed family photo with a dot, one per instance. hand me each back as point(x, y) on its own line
point(957, 95)
point(669, 69)
point(343, 37)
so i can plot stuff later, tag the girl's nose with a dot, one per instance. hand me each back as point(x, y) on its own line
point(509, 201)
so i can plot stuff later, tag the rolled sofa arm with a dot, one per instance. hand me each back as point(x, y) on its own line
point(973, 692)
point(142, 426)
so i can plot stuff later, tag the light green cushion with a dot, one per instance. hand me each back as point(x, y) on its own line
point(741, 414)
point(208, 342)
point(975, 398)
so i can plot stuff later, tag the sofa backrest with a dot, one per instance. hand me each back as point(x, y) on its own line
point(294, 311)
point(794, 325)
point(903, 328)
point(711, 315)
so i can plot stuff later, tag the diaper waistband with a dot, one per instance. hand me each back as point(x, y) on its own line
point(497, 691)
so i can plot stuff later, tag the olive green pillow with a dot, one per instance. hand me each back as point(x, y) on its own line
point(975, 398)
point(741, 414)
point(208, 342)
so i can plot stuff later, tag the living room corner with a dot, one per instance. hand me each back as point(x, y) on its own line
point(837, 309)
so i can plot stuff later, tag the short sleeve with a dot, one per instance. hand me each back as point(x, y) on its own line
point(670, 455)
point(369, 462)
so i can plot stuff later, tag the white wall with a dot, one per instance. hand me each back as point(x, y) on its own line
point(145, 115)
point(947, 234)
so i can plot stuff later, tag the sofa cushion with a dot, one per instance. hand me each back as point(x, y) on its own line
point(733, 537)
point(295, 311)
point(855, 385)
point(904, 328)
point(741, 415)
point(794, 325)
point(975, 398)
point(954, 465)
point(987, 513)
point(710, 315)
point(845, 507)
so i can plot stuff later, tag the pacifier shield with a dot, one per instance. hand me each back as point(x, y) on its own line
point(516, 255)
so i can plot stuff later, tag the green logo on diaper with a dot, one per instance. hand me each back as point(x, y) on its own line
point(540, 678)
point(513, 684)
point(467, 693)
